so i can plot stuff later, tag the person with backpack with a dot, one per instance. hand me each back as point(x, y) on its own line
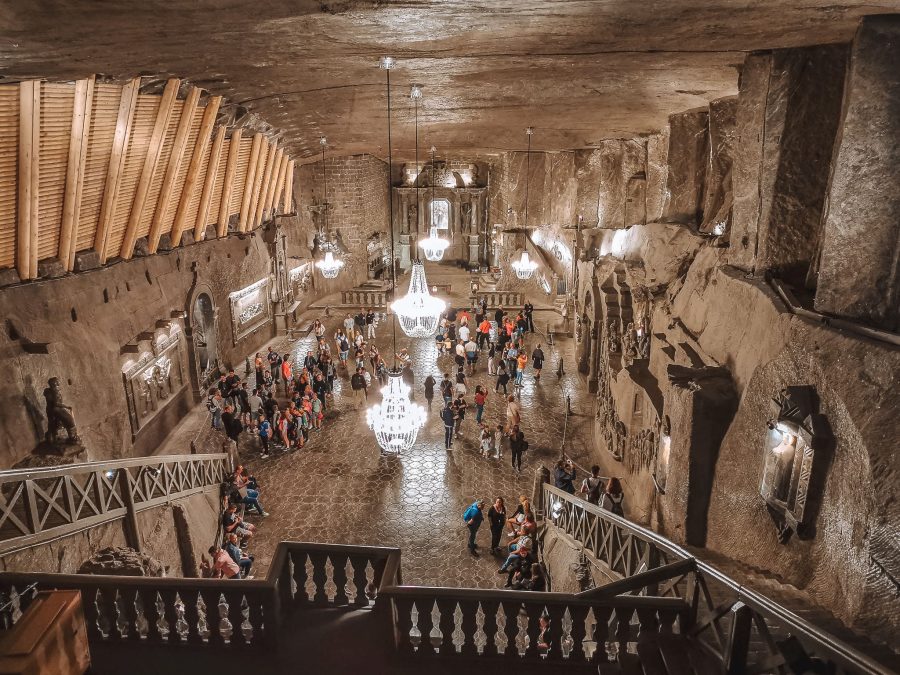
point(447, 388)
point(565, 476)
point(448, 416)
point(502, 377)
point(613, 497)
point(517, 445)
point(264, 429)
point(474, 517)
point(592, 486)
point(274, 365)
point(537, 361)
point(429, 389)
point(358, 384)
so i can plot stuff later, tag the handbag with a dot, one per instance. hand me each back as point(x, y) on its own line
point(242, 492)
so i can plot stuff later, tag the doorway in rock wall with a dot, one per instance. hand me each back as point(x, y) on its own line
point(203, 332)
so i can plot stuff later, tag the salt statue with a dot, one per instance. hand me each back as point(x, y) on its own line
point(59, 414)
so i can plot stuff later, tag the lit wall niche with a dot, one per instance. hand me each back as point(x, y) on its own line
point(796, 455)
point(156, 377)
point(250, 308)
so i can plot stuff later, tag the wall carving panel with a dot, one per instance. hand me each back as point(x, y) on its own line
point(156, 378)
point(250, 308)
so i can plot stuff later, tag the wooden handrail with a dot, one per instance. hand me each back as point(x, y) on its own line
point(639, 581)
point(89, 467)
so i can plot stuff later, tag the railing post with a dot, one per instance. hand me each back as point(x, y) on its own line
point(131, 526)
point(738, 639)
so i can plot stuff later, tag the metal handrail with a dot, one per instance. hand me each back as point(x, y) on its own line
point(826, 643)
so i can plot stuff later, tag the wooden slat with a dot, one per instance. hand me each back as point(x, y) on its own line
point(78, 150)
point(279, 183)
point(271, 183)
point(240, 177)
point(57, 101)
point(247, 196)
point(116, 162)
point(9, 155)
point(209, 183)
point(151, 162)
point(29, 178)
point(197, 155)
point(259, 170)
point(175, 159)
point(289, 188)
point(260, 198)
point(228, 185)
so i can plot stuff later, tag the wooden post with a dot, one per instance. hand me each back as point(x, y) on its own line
point(289, 188)
point(131, 526)
point(279, 183)
point(209, 184)
point(277, 170)
point(193, 172)
point(78, 150)
point(234, 147)
point(738, 639)
point(157, 138)
point(29, 178)
point(265, 152)
point(116, 163)
point(178, 145)
point(248, 182)
point(264, 186)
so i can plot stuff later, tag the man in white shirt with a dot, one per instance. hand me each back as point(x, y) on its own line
point(471, 348)
point(464, 333)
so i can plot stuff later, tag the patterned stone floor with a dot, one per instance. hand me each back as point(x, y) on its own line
point(339, 489)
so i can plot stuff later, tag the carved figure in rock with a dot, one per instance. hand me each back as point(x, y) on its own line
point(613, 337)
point(58, 414)
point(629, 346)
point(465, 220)
point(411, 213)
point(643, 345)
point(146, 396)
point(784, 453)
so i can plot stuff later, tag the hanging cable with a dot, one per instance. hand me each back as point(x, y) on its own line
point(387, 63)
point(323, 141)
point(528, 132)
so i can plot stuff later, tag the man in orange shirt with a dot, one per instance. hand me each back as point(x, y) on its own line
point(484, 333)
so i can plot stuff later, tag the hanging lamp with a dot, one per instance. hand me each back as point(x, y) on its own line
point(329, 265)
point(418, 310)
point(524, 267)
point(396, 420)
point(434, 246)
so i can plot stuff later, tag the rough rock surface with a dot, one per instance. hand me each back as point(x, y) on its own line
point(860, 266)
point(687, 160)
point(122, 561)
point(718, 198)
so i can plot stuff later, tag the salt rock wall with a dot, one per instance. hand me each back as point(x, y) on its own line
point(87, 318)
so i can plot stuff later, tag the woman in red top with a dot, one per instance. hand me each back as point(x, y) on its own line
point(480, 398)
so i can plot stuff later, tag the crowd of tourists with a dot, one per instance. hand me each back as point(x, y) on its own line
point(229, 558)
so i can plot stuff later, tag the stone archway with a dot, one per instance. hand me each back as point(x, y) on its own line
point(202, 332)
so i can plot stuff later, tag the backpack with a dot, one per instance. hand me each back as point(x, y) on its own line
point(594, 493)
point(470, 513)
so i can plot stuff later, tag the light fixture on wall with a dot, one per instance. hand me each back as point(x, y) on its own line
point(434, 246)
point(396, 420)
point(524, 267)
point(329, 265)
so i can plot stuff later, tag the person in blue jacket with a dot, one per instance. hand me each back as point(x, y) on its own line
point(474, 517)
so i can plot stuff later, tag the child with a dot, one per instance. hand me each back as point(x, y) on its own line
point(498, 441)
point(487, 441)
point(316, 413)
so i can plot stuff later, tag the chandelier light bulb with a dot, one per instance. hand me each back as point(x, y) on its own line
point(418, 310)
point(415, 92)
point(330, 266)
point(387, 62)
point(524, 266)
point(396, 420)
point(434, 246)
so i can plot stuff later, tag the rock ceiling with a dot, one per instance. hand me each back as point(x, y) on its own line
point(578, 71)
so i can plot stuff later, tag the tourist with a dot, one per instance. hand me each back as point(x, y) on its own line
point(537, 361)
point(216, 406)
point(241, 559)
point(517, 446)
point(492, 353)
point(502, 378)
point(471, 354)
point(532, 579)
point(487, 441)
point(499, 437)
point(318, 330)
point(545, 637)
point(270, 407)
point(513, 413)
point(463, 333)
point(564, 476)
point(484, 332)
point(497, 519)
point(370, 324)
point(259, 366)
point(448, 416)
point(317, 414)
point(429, 388)
point(519, 556)
point(460, 388)
point(528, 312)
point(459, 409)
point(223, 566)
point(512, 359)
point(287, 372)
point(358, 385)
point(320, 389)
point(460, 355)
point(403, 357)
point(447, 389)
point(231, 423)
point(310, 361)
point(480, 399)
point(330, 375)
point(613, 497)
point(359, 323)
point(473, 518)
point(381, 371)
point(274, 365)
point(520, 367)
point(255, 401)
point(282, 425)
point(409, 379)
point(348, 327)
point(264, 430)
point(518, 516)
point(243, 405)
point(233, 523)
point(592, 486)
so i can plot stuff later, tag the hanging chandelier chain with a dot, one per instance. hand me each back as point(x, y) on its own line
point(527, 174)
point(391, 213)
point(417, 165)
point(325, 184)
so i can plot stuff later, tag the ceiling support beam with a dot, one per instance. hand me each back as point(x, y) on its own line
point(260, 198)
point(116, 163)
point(247, 195)
point(78, 150)
point(289, 188)
point(279, 182)
point(209, 184)
point(151, 161)
point(29, 178)
point(273, 183)
point(234, 148)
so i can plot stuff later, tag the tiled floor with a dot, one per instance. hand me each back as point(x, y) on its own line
point(340, 489)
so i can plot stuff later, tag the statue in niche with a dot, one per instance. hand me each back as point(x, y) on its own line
point(59, 414)
point(411, 223)
point(613, 337)
point(147, 398)
point(161, 383)
point(629, 345)
point(785, 453)
point(474, 174)
point(465, 220)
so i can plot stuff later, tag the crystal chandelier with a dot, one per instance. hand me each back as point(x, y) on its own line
point(418, 310)
point(524, 266)
point(396, 421)
point(434, 246)
point(329, 266)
